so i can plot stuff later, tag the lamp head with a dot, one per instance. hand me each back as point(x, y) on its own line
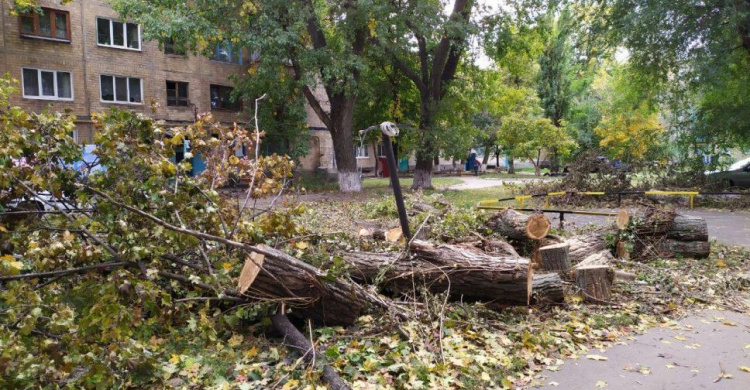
point(389, 128)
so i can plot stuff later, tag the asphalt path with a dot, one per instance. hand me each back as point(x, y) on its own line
point(707, 350)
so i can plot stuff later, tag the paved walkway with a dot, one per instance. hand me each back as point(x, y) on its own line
point(477, 182)
point(688, 355)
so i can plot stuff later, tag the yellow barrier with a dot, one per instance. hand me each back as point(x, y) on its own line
point(690, 194)
point(521, 198)
point(592, 193)
point(546, 198)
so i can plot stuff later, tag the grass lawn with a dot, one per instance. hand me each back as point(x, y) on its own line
point(437, 182)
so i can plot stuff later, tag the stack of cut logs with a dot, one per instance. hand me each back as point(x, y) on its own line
point(586, 259)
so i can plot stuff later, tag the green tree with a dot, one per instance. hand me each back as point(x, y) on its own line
point(689, 53)
point(527, 137)
point(304, 42)
point(426, 46)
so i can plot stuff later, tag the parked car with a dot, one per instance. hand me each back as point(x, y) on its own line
point(737, 175)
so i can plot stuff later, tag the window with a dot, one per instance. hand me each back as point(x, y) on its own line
point(50, 24)
point(118, 34)
point(381, 150)
point(227, 52)
point(177, 93)
point(118, 89)
point(170, 47)
point(221, 98)
point(363, 152)
point(47, 84)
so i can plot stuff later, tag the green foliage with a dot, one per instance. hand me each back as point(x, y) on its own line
point(525, 137)
point(106, 327)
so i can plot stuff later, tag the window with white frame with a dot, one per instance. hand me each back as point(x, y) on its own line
point(119, 89)
point(118, 34)
point(381, 150)
point(47, 84)
point(363, 152)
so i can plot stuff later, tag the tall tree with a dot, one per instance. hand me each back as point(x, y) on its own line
point(323, 43)
point(554, 78)
point(695, 54)
point(426, 46)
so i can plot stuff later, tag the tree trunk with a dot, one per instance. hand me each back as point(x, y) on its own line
point(309, 290)
point(342, 118)
point(293, 339)
point(466, 271)
point(674, 248)
point(555, 259)
point(510, 223)
point(511, 167)
point(422, 173)
point(595, 282)
point(686, 228)
point(583, 246)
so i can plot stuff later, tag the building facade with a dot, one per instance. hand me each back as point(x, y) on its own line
point(81, 56)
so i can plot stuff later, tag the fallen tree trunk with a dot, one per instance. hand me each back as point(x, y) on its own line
point(309, 290)
point(466, 271)
point(295, 340)
point(687, 228)
point(673, 248)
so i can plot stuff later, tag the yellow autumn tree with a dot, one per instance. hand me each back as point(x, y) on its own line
point(629, 134)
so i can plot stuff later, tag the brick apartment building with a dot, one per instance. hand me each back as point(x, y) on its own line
point(82, 56)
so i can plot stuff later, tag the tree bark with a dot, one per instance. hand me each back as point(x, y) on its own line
point(686, 228)
point(555, 259)
point(467, 272)
point(511, 167)
point(674, 248)
point(595, 282)
point(509, 223)
point(582, 246)
point(295, 340)
point(422, 173)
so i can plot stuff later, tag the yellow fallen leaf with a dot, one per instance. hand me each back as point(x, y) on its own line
point(302, 245)
point(601, 384)
point(669, 366)
point(292, 384)
point(681, 338)
point(485, 377)
point(555, 384)
point(252, 352)
point(721, 263)
point(174, 359)
point(666, 342)
point(729, 323)
point(744, 368)
point(596, 357)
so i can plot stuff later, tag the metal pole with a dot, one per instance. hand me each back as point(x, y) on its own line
point(391, 158)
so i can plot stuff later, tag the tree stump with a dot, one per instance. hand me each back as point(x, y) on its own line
point(595, 282)
point(554, 258)
point(537, 227)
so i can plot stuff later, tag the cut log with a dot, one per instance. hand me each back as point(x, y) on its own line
point(690, 249)
point(603, 258)
point(654, 221)
point(468, 272)
point(554, 258)
point(498, 247)
point(309, 291)
point(537, 227)
point(687, 228)
point(509, 223)
point(585, 245)
point(622, 220)
point(595, 282)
